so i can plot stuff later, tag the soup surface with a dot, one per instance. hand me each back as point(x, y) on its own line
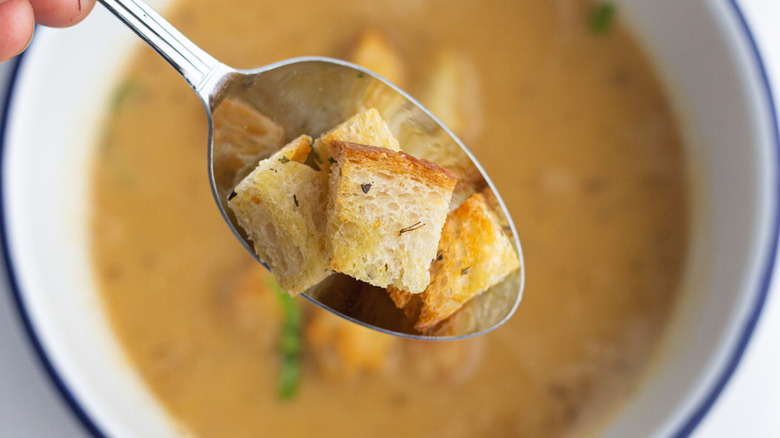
point(576, 133)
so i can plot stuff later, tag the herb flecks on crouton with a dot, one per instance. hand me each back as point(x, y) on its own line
point(387, 234)
point(473, 255)
point(281, 205)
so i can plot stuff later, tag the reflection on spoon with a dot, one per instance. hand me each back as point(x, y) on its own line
point(310, 96)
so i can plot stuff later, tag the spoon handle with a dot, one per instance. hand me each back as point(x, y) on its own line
point(196, 66)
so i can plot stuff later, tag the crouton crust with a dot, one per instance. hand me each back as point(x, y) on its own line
point(378, 159)
point(367, 127)
point(386, 212)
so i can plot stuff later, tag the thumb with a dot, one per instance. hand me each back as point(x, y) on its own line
point(61, 13)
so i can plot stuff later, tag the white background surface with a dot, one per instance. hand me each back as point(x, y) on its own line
point(749, 406)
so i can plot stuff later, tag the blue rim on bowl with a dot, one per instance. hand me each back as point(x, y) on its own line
point(686, 428)
point(767, 270)
point(8, 268)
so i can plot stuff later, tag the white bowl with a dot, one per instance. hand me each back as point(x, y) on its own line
point(707, 60)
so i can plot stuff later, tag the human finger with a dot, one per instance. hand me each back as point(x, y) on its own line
point(61, 13)
point(16, 27)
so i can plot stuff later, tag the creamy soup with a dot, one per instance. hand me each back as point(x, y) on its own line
point(567, 117)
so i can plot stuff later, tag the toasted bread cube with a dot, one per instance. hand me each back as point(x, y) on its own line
point(452, 92)
point(375, 52)
point(367, 127)
point(343, 350)
point(251, 305)
point(406, 301)
point(386, 214)
point(474, 254)
point(281, 205)
point(242, 137)
point(437, 363)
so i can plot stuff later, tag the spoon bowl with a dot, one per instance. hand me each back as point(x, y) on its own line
point(311, 95)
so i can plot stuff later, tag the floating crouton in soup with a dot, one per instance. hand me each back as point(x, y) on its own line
point(343, 350)
point(252, 305)
point(281, 206)
point(377, 53)
point(367, 127)
point(386, 214)
point(452, 92)
point(474, 254)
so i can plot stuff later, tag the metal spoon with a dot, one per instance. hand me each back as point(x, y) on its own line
point(311, 95)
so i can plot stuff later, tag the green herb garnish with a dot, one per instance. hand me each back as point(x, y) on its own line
point(601, 18)
point(331, 160)
point(295, 198)
point(290, 345)
point(121, 94)
point(284, 159)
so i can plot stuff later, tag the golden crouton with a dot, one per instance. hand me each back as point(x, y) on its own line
point(252, 305)
point(452, 92)
point(386, 214)
point(343, 350)
point(367, 127)
point(436, 363)
point(242, 136)
point(473, 255)
point(281, 205)
point(375, 52)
